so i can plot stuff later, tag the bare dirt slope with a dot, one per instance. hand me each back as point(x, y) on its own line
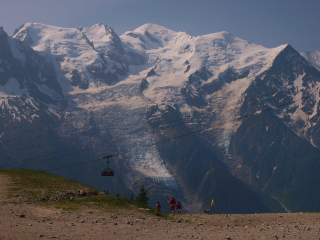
point(23, 220)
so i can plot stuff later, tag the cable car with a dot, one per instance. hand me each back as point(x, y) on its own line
point(107, 171)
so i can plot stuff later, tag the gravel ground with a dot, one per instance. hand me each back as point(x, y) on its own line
point(20, 220)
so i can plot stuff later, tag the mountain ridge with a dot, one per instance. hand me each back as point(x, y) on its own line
point(114, 85)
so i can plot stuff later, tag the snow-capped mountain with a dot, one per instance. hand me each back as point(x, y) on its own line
point(86, 56)
point(192, 114)
point(28, 82)
point(313, 57)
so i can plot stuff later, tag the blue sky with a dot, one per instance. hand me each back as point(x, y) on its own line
point(267, 22)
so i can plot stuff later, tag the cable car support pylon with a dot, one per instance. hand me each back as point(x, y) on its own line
point(107, 171)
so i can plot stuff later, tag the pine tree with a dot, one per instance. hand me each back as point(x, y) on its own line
point(142, 196)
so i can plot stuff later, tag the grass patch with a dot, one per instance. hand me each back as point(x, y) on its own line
point(104, 202)
point(36, 184)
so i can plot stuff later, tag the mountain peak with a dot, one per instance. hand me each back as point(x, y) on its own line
point(99, 29)
point(98, 24)
point(313, 57)
point(153, 29)
point(37, 25)
point(157, 35)
point(224, 34)
point(287, 48)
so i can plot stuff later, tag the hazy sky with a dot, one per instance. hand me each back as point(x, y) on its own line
point(267, 22)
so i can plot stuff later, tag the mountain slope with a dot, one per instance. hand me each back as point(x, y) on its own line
point(279, 158)
point(313, 57)
point(183, 115)
point(31, 101)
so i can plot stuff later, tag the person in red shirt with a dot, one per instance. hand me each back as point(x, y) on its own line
point(179, 208)
point(172, 203)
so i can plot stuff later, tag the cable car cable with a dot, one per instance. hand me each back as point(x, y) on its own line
point(183, 135)
point(19, 162)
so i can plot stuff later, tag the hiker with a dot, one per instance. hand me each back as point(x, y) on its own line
point(158, 207)
point(172, 203)
point(179, 208)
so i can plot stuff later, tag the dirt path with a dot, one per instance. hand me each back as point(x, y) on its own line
point(4, 180)
point(33, 221)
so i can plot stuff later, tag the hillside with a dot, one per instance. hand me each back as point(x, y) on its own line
point(110, 217)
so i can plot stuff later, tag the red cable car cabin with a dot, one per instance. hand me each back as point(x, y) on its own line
point(107, 172)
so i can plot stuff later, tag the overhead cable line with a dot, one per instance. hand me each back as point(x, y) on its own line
point(180, 136)
point(133, 132)
point(122, 135)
